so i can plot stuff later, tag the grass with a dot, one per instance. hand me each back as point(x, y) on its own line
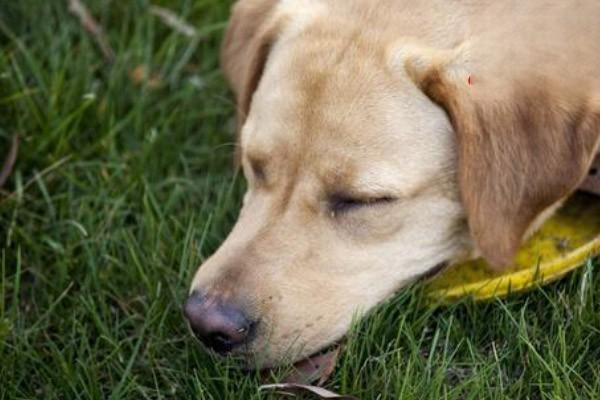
point(122, 188)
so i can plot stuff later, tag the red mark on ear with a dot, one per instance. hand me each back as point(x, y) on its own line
point(469, 80)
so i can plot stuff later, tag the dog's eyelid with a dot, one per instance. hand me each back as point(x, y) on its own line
point(344, 202)
point(362, 196)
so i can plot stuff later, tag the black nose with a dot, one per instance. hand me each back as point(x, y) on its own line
point(219, 326)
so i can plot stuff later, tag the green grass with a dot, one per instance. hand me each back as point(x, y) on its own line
point(122, 189)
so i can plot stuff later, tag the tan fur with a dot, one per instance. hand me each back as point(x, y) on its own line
point(520, 152)
point(245, 48)
point(476, 118)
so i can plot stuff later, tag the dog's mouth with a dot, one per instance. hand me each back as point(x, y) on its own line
point(317, 367)
point(320, 365)
point(314, 369)
point(308, 376)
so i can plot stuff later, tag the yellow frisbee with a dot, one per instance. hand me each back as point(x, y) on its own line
point(562, 244)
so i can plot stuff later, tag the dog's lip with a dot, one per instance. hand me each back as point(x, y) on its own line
point(316, 367)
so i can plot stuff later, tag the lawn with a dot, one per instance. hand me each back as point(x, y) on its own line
point(123, 186)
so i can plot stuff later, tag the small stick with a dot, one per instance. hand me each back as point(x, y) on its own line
point(172, 20)
point(296, 388)
point(77, 8)
point(9, 162)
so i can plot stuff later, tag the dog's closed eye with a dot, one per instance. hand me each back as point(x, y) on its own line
point(341, 203)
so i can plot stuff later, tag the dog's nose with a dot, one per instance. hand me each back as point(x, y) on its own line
point(219, 326)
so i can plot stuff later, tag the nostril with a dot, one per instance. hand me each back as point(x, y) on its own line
point(220, 338)
point(223, 341)
point(218, 325)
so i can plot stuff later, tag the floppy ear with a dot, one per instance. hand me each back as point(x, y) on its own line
point(246, 46)
point(523, 142)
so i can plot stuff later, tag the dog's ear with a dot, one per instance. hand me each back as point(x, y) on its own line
point(246, 46)
point(523, 142)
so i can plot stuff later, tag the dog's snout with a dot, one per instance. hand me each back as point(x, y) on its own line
point(218, 325)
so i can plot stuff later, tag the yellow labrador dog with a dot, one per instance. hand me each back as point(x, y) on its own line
point(382, 139)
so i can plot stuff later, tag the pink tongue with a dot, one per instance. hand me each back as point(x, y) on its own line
point(316, 369)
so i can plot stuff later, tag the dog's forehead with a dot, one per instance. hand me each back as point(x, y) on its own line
point(339, 139)
point(307, 99)
point(330, 105)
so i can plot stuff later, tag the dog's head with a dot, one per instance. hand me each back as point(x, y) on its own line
point(369, 163)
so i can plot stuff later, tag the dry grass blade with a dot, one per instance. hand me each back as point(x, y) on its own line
point(9, 162)
point(174, 21)
point(312, 370)
point(295, 388)
point(89, 23)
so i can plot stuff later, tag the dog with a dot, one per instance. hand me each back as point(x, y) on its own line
point(381, 141)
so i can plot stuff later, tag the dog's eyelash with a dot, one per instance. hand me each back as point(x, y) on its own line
point(340, 204)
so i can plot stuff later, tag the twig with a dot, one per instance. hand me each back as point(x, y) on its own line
point(172, 20)
point(295, 388)
point(77, 8)
point(9, 163)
